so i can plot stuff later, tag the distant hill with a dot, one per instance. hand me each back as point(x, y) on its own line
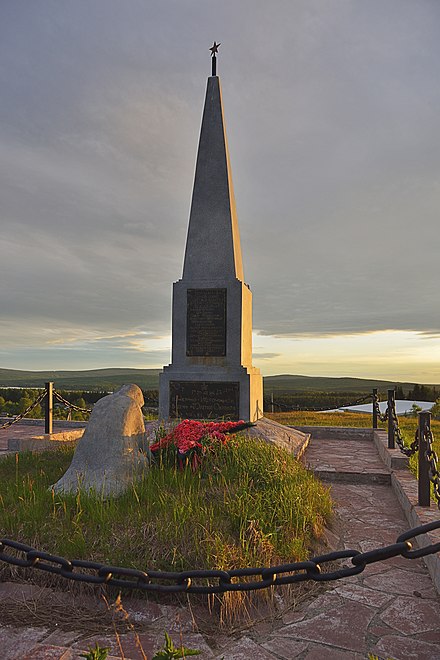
point(291, 383)
point(110, 379)
point(93, 379)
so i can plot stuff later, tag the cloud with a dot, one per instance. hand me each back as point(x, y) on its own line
point(332, 115)
point(265, 356)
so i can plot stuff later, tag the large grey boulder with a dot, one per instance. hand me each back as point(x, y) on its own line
point(286, 437)
point(107, 457)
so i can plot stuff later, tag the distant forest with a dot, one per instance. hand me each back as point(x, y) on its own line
point(316, 400)
point(15, 400)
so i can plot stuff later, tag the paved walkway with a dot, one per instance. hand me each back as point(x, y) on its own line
point(18, 431)
point(390, 610)
point(19, 436)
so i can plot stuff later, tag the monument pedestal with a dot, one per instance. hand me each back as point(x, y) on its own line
point(211, 375)
point(210, 394)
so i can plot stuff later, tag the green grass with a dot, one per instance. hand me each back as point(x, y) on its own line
point(251, 504)
point(310, 418)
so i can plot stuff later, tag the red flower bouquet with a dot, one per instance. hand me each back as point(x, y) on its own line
point(192, 439)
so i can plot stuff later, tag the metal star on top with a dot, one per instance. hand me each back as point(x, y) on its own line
point(214, 49)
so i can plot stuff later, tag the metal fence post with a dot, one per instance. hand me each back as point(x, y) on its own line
point(390, 419)
point(48, 408)
point(374, 408)
point(424, 482)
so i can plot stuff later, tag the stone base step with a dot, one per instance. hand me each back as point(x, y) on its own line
point(383, 478)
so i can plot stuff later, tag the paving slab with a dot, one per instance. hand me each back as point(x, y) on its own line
point(322, 652)
point(15, 644)
point(399, 581)
point(28, 436)
point(244, 649)
point(347, 461)
point(284, 647)
point(404, 648)
point(344, 627)
point(412, 615)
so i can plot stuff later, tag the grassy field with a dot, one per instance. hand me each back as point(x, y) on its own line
point(251, 504)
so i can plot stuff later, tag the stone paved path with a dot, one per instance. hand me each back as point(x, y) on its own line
point(18, 431)
point(390, 610)
point(23, 434)
point(354, 461)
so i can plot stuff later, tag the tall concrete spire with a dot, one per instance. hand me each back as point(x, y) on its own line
point(213, 243)
point(211, 374)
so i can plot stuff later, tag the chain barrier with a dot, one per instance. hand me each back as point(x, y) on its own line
point(430, 455)
point(432, 460)
point(72, 406)
point(154, 403)
point(17, 418)
point(130, 578)
point(362, 399)
point(382, 416)
point(414, 446)
point(69, 405)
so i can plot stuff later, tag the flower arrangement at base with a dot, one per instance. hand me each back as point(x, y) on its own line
point(192, 439)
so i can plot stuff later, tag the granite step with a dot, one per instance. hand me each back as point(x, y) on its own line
point(348, 477)
point(346, 461)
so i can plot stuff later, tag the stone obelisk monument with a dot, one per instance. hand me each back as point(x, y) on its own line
point(211, 375)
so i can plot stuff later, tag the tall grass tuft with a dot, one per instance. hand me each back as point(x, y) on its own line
point(250, 504)
point(247, 502)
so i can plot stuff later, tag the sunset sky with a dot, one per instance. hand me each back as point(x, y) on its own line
point(333, 119)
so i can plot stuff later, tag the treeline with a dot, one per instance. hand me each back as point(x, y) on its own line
point(280, 400)
point(419, 393)
point(310, 400)
point(14, 401)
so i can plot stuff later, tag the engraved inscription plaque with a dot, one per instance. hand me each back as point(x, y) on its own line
point(206, 323)
point(204, 400)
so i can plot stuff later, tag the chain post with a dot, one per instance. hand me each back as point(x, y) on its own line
point(375, 398)
point(391, 422)
point(48, 409)
point(423, 480)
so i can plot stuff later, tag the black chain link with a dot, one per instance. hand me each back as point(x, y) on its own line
point(152, 403)
point(414, 446)
point(361, 399)
point(69, 405)
point(382, 416)
point(286, 407)
point(219, 581)
point(432, 459)
point(17, 418)
point(430, 455)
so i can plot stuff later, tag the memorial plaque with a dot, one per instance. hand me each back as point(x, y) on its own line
point(206, 323)
point(204, 400)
